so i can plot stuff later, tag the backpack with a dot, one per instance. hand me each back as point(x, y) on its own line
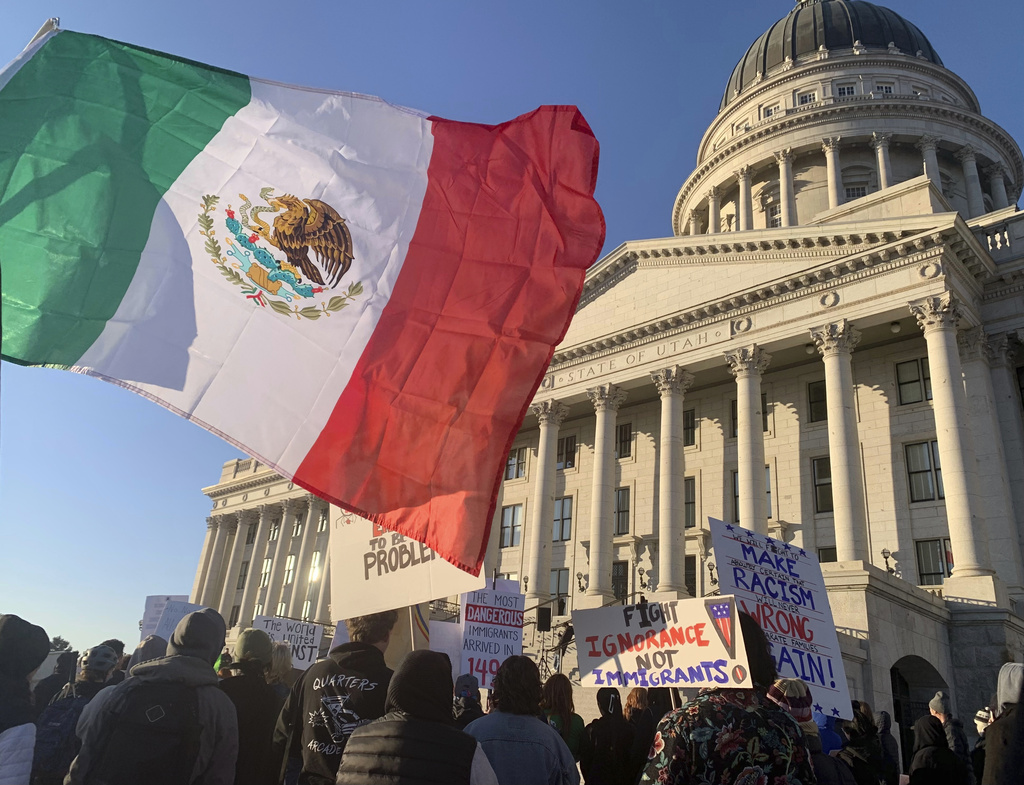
point(153, 738)
point(56, 742)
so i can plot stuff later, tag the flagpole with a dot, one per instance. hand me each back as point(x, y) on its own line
point(51, 25)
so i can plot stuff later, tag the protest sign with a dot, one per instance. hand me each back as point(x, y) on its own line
point(155, 604)
point(384, 570)
point(492, 630)
point(173, 612)
point(781, 586)
point(446, 637)
point(694, 643)
point(303, 637)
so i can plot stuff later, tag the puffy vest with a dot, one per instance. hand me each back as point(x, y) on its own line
point(401, 749)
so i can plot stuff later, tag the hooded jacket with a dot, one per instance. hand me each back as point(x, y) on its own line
point(258, 707)
point(153, 647)
point(605, 759)
point(329, 700)
point(416, 741)
point(934, 762)
point(194, 646)
point(1004, 739)
point(23, 647)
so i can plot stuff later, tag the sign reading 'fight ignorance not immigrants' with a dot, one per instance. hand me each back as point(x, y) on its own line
point(692, 643)
point(781, 586)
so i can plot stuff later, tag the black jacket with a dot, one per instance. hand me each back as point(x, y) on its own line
point(934, 762)
point(47, 689)
point(827, 770)
point(1004, 747)
point(643, 725)
point(465, 710)
point(258, 707)
point(330, 700)
point(605, 760)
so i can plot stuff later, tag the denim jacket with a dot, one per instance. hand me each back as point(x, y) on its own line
point(524, 750)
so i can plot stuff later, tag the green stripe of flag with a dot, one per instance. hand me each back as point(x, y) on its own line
point(92, 135)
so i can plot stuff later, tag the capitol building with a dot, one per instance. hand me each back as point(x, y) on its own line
point(826, 349)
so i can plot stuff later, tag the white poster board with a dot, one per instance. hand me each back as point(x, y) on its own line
point(155, 605)
point(446, 637)
point(492, 631)
point(681, 643)
point(173, 612)
point(781, 586)
point(303, 637)
point(378, 570)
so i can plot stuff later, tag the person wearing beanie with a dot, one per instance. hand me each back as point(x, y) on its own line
point(699, 741)
point(152, 647)
point(187, 666)
point(257, 706)
point(23, 648)
point(416, 740)
point(63, 674)
point(941, 708)
point(794, 696)
point(466, 705)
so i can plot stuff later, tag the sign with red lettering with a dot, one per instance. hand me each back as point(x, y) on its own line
point(492, 625)
point(683, 643)
point(376, 570)
point(781, 586)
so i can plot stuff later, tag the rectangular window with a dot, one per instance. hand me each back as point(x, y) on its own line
point(846, 90)
point(243, 573)
point(689, 502)
point(250, 534)
point(856, 191)
point(821, 470)
point(257, 610)
point(622, 511)
point(885, 89)
point(764, 415)
point(289, 569)
point(773, 216)
point(690, 425)
point(566, 458)
point(768, 488)
point(620, 581)
point(807, 98)
point(281, 608)
point(563, 520)
point(511, 525)
point(265, 572)
point(736, 492)
point(515, 468)
point(771, 111)
point(934, 561)
point(297, 527)
point(827, 554)
point(306, 608)
point(924, 471)
point(236, 610)
point(817, 406)
point(914, 381)
point(690, 575)
point(624, 440)
point(275, 530)
point(321, 525)
point(560, 591)
point(314, 567)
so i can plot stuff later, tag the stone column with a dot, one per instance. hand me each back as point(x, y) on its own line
point(550, 414)
point(880, 142)
point(230, 591)
point(995, 500)
point(786, 195)
point(606, 399)
point(975, 201)
point(830, 147)
point(300, 586)
point(1011, 422)
point(997, 186)
point(747, 364)
point(211, 586)
point(928, 145)
point(323, 600)
point(745, 202)
point(694, 223)
point(252, 583)
point(672, 384)
point(204, 558)
point(289, 510)
point(937, 317)
point(836, 342)
point(714, 210)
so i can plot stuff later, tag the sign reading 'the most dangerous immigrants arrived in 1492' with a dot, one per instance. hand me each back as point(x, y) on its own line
point(492, 631)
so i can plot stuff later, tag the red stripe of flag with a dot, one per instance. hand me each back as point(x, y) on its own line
point(493, 274)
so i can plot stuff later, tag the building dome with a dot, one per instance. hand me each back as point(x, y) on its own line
point(830, 24)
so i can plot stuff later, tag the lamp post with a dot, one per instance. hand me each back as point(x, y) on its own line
point(886, 553)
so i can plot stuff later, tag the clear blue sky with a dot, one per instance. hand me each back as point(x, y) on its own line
point(100, 501)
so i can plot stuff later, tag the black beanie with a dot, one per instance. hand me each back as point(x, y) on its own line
point(23, 646)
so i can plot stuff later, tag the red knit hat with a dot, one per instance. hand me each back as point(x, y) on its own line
point(793, 696)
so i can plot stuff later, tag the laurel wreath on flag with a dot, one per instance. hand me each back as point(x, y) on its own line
point(216, 252)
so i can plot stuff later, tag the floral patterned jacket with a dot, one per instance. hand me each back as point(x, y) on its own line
point(729, 737)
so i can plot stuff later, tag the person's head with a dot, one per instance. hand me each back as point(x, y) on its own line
point(374, 629)
point(609, 703)
point(794, 697)
point(66, 662)
point(860, 730)
point(1008, 685)
point(254, 647)
point(116, 645)
point(928, 732)
point(200, 634)
point(280, 663)
point(636, 702)
point(556, 699)
point(940, 707)
point(467, 686)
point(23, 648)
point(422, 687)
point(516, 686)
point(152, 647)
point(96, 664)
point(884, 722)
point(759, 653)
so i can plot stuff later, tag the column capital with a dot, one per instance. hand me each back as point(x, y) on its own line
point(967, 153)
point(783, 156)
point(550, 412)
point(936, 313)
point(880, 139)
point(747, 360)
point(975, 344)
point(927, 143)
point(672, 381)
point(607, 397)
point(995, 170)
point(835, 338)
point(830, 144)
point(743, 173)
point(693, 215)
point(211, 522)
point(714, 193)
point(231, 526)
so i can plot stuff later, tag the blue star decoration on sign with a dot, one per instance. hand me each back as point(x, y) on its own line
point(835, 711)
point(803, 552)
point(786, 546)
point(730, 528)
point(768, 540)
point(818, 708)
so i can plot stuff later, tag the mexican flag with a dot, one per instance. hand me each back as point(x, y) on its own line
point(359, 295)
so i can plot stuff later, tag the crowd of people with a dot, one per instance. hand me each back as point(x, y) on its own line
point(186, 711)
